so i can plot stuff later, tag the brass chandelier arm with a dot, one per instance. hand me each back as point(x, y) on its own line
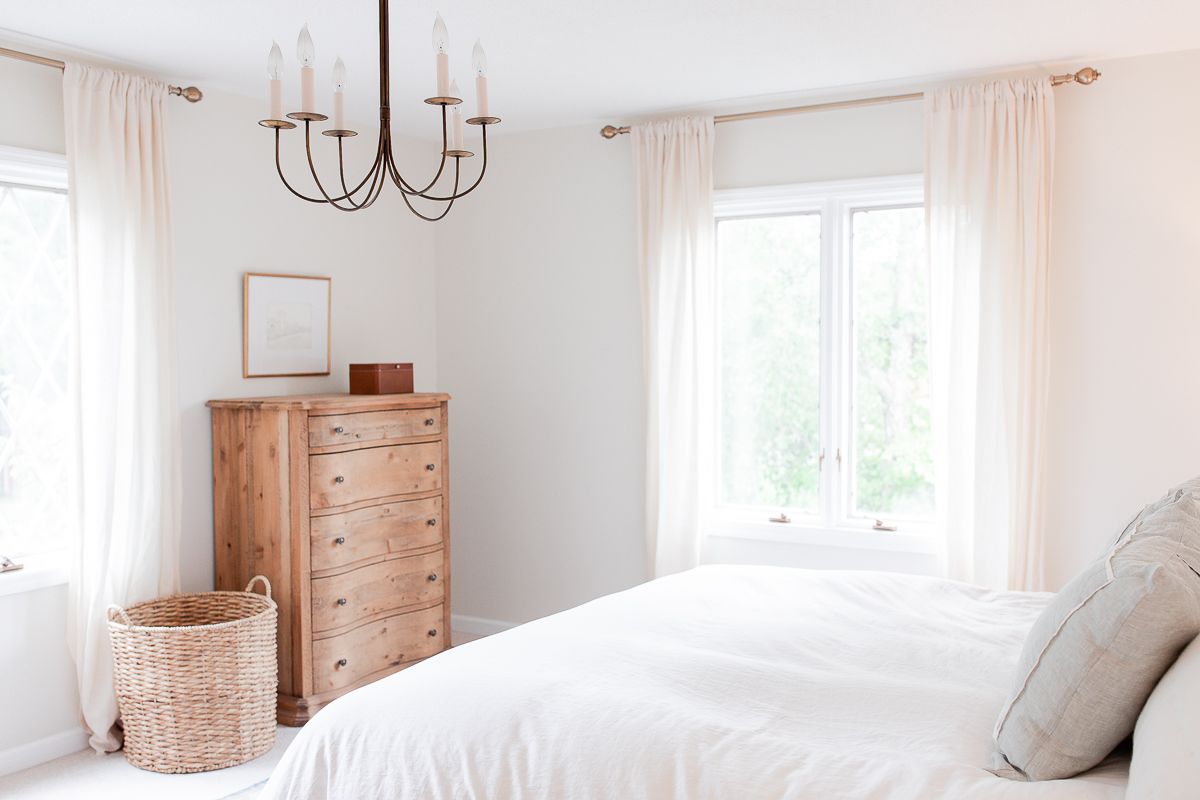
point(302, 196)
point(375, 175)
point(316, 179)
point(445, 210)
point(399, 180)
point(482, 171)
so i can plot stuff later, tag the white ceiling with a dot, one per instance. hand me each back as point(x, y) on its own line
point(563, 62)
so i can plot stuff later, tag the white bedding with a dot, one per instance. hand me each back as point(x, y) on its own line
point(723, 682)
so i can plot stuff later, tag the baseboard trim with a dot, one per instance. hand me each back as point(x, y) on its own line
point(479, 626)
point(30, 754)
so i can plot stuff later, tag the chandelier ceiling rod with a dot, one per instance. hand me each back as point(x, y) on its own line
point(384, 164)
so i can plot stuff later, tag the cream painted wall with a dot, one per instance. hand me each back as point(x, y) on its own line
point(231, 215)
point(1124, 293)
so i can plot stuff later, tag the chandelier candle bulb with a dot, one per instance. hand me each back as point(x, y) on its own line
point(339, 94)
point(479, 60)
point(275, 74)
point(441, 46)
point(306, 55)
point(456, 121)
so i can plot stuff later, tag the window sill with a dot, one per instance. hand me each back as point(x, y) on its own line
point(40, 572)
point(851, 538)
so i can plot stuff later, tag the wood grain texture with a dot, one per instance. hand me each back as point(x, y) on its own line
point(390, 510)
point(377, 646)
point(377, 590)
point(338, 479)
point(371, 533)
point(374, 426)
point(337, 403)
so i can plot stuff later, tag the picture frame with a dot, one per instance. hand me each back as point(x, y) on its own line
point(286, 328)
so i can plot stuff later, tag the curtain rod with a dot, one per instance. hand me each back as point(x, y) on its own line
point(189, 93)
point(1084, 76)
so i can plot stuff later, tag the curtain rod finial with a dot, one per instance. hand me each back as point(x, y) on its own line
point(189, 93)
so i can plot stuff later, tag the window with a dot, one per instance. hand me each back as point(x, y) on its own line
point(823, 396)
point(36, 302)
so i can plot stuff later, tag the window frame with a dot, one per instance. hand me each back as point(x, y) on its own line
point(36, 169)
point(836, 202)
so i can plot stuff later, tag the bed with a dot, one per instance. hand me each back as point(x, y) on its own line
point(721, 682)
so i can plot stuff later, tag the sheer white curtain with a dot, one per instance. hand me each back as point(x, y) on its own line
point(673, 162)
point(127, 497)
point(989, 163)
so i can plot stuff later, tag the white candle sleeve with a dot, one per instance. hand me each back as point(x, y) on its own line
point(443, 75)
point(481, 98)
point(456, 132)
point(339, 111)
point(308, 90)
point(276, 99)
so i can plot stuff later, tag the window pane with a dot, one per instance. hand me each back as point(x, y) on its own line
point(892, 444)
point(35, 309)
point(770, 280)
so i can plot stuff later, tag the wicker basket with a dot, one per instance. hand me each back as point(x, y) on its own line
point(196, 678)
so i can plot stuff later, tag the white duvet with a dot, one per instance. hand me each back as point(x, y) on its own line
point(722, 682)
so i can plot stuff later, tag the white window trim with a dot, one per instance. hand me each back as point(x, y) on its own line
point(35, 168)
point(42, 170)
point(835, 201)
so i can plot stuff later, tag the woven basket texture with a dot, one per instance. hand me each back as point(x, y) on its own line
point(196, 679)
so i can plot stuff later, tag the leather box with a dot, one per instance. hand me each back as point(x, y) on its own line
point(388, 378)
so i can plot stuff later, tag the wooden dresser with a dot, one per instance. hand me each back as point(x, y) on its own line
point(343, 502)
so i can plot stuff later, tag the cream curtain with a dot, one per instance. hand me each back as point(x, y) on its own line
point(127, 425)
point(673, 164)
point(989, 163)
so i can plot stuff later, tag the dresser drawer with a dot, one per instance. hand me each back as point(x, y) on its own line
point(339, 661)
point(341, 600)
point(338, 479)
point(373, 426)
point(340, 539)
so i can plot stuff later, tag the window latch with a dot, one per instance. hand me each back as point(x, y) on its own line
point(8, 565)
point(821, 460)
point(880, 525)
point(782, 518)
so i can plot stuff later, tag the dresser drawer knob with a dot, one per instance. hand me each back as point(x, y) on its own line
point(432, 577)
point(339, 429)
point(341, 601)
point(431, 521)
point(340, 540)
point(428, 421)
point(430, 467)
point(341, 663)
point(339, 479)
point(432, 632)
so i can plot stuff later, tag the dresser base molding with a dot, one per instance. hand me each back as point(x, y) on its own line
point(343, 502)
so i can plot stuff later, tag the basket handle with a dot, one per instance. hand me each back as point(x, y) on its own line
point(114, 607)
point(266, 583)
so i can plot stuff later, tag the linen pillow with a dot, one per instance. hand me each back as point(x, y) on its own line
point(1099, 647)
point(1166, 741)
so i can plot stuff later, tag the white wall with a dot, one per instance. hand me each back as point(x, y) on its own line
point(539, 341)
point(231, 215)
point(1124, 293)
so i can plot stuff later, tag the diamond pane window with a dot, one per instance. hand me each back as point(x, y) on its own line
point(36, 311)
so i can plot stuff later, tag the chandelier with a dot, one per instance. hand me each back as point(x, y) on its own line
point(367, 190)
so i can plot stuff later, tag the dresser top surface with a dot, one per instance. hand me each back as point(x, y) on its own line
point(335, 401)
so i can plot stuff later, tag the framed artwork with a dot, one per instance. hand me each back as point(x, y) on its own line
point(285, 325)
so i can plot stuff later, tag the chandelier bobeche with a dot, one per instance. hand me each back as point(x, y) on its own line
point(367, 191)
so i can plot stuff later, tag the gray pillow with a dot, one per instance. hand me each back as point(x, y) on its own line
point(1100, 646)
